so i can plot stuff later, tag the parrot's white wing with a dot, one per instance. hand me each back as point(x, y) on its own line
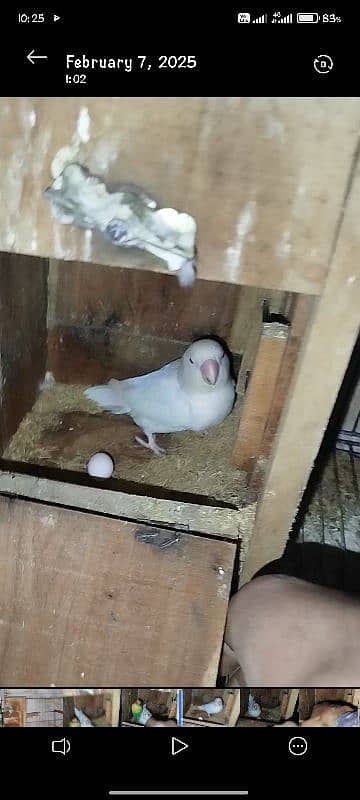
point(213, 707)
point(155, 401)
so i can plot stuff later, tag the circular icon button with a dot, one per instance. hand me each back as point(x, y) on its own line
point(298, 746)
point(323, 64)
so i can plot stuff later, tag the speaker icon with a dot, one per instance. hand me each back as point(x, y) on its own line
point(60, 746)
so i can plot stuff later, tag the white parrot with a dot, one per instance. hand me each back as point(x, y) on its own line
point(145, 715)
point(213, 707)
point(193, 393)
point(254, 710)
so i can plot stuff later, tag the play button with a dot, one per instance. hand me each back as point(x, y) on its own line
point(177, 746)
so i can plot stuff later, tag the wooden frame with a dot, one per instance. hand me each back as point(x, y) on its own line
point(328, 343)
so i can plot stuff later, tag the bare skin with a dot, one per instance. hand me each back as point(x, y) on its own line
point(283, 631)
point(324, 715)
point(157, 723)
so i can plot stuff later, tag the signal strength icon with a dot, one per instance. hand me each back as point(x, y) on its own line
point(263, 18)
point(278, 19)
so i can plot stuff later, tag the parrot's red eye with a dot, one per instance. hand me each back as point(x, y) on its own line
point(191, 361)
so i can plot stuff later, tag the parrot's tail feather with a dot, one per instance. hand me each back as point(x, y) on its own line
point(105, 397)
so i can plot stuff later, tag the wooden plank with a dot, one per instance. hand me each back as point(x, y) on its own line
point(131, 725)
point(337, 695)
point(246, 332)
point(23, 307)
point(128, 696)
point(146, 304)
point(99, 606)
point(91, 355)
point(209, 520)
point(259, 396)
point(356, 697)
point(288, 703)
point(234, 711)
point(115, 708)
point(33, 693)
point(302, 306)
point(306, 703)
point(261, 170)
point(195, 723)
point(248, 324)
point(325, 353)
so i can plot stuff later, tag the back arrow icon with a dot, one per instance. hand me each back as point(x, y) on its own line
point(177, 746)
point(31, 57)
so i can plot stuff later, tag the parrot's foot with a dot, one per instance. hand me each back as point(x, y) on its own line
point(151, 444)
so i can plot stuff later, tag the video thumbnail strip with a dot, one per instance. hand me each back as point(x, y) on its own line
point(179, 707)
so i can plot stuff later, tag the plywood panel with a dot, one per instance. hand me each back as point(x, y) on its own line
point(23, 307)
point(83, 601)
point(255, 173)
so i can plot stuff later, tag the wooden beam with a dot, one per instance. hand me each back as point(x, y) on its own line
point(234, 713)
point(306, 703)
point(319, 371)
point(300, 314)
point(259, 396)
point(288, 703)
point(264, 169)
point(356, 697)
point(115, 708)
point(209, 520)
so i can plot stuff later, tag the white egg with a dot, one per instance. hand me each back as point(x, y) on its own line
point(100, 465)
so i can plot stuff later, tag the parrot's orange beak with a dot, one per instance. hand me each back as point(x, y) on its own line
point(210, 371)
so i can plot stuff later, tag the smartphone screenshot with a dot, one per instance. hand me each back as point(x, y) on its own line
point(179, 399)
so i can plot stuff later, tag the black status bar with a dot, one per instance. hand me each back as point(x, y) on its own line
point(84, 53)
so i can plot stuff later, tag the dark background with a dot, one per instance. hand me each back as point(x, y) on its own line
point(253, 758)
point(273, 59)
